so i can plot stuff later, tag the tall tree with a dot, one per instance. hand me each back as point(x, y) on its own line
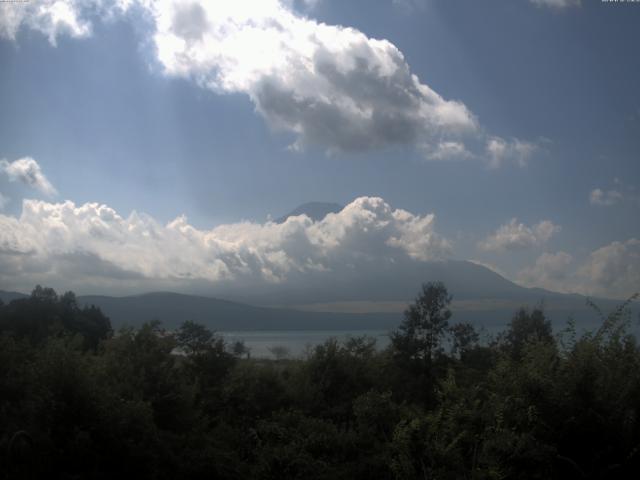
point(425, 323)
point(526, 327)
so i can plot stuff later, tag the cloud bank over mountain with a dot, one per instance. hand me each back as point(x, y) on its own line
point(91, 247)
point(609, 271)
point(92, 244)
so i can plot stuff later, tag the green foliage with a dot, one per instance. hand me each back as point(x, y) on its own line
point(253, 391)
point(464, 339)
point(44, 314)
point(425, 324)
point(526, 327)
point(339, 372)
point(79, 402)
point(194, 339)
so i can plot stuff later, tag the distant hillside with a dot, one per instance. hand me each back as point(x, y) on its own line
point(480, 295)
point(173, 309)
point(316, 211)
point(392, 281)
point(6, 297)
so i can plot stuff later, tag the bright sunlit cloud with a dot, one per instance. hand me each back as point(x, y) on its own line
point(94, 245)
point(518, 236)
point(330, 87)
point(28, 172)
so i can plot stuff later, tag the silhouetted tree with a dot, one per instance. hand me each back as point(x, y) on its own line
point(464, 338)
point(425, 324)
point(526, 327)
point(154, 404)
point(193, 338)
point(44, 314)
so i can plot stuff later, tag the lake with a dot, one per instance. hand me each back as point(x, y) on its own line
point(296, 342)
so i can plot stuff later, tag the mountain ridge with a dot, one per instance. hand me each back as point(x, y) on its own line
point(493, 303)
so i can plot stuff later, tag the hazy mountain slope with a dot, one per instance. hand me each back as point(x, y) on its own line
point(393, 281)
point(6, 297)
point(480, 296)
point(173, 309)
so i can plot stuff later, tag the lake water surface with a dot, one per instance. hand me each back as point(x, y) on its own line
point(296, 342)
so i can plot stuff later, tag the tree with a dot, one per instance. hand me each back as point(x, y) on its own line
point(46, 314)
point(239, 349)
point(425, 324)
point(464, 338)
point(194, 338)
point(44, 294)
point(206, 362)
point(526, 327)
point(280, 352)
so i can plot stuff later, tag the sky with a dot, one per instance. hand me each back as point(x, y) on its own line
point(147, 144)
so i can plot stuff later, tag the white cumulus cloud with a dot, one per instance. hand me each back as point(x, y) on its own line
point(93, 245)
point(604, 198)
point(613, 270)
point(500, 151)
point(50, 17)
point(550, 271)
point(27, 171)
point(518, 236)
point(449, 150)
point(328, 86)
point(559, 4)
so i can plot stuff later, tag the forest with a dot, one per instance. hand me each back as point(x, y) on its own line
point(78, 400)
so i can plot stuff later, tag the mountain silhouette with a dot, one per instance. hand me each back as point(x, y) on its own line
point(480, 296)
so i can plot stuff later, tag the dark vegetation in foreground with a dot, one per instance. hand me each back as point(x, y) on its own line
point(78, 401)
